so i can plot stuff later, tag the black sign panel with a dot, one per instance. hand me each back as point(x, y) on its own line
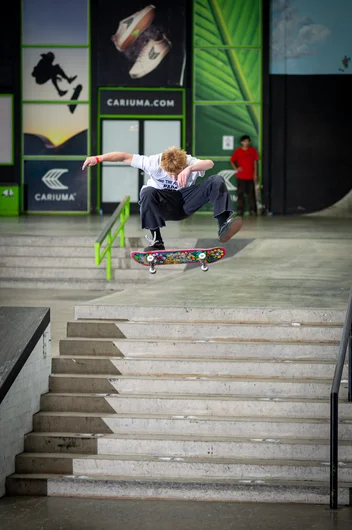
point(56, 186)
point(139, 44)
point(141, 102)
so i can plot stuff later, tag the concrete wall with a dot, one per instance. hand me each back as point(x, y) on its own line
point(20, 403)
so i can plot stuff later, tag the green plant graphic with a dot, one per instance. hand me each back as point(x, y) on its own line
point(212, 122)
point(227, 71)
point(227, 23)
point(215, 80)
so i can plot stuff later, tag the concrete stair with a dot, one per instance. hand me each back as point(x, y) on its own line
point(233, 409)
point(58, 262)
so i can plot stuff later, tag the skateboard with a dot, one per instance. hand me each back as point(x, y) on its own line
point(257, 192)
point(76, 93)
point(204, 256)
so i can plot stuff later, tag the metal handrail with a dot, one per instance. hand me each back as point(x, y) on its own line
point(345, 343)
point(122, 213)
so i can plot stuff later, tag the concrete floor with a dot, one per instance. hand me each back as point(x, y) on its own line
point(293, 262)
point(297, 261)
point(302, 227)
point(50, 513)
point(296, 269)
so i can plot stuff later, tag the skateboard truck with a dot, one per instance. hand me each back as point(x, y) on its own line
point(151, 261)
point(202, 258)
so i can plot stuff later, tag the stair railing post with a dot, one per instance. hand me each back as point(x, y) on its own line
point(349, 353)
point(122, 231)
point(334, 449)
point(108, 256)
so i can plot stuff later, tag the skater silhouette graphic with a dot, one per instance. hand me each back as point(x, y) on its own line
point(46, 71)
point(346, 62)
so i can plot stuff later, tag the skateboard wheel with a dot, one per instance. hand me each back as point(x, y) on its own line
point(204, 268)
point(152, 271)
point(202, 255)
point(150, 258)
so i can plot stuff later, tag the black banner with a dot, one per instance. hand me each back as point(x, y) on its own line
point(141, 102)
point(140, 44)
point(57, 186)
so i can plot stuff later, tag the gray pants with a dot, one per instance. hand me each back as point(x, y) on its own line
point(158, 206)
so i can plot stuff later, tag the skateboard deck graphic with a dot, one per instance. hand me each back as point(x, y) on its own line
point(202, 256)
point(76, 93)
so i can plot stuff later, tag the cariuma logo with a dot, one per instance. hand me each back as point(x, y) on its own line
point(51, 179)
point(153, 54)
point(7, 193)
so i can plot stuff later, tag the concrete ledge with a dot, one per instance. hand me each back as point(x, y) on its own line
point(21, 402)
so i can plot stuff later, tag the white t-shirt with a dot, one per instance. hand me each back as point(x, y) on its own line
point(158, 177)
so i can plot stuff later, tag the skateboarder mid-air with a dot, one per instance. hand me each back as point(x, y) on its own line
point(46, 70)
point(171, 193)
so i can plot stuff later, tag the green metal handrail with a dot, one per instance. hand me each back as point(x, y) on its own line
point(122, 213)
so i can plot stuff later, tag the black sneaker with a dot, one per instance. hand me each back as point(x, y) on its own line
point(229, 228)
point(157, 245)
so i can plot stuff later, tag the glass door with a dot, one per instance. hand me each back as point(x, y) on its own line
point(146, 137)
point(159, 135)
point(119, 179)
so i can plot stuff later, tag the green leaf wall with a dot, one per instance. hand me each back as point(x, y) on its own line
point(227, 87)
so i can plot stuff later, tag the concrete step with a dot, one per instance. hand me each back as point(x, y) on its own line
point(193, 425)
point(75, 262)
point(184, 446)
point(194, 385)
point(22, 251)
point(181, 467)
point(84, 241)
point(47, 241)
point(67, 284)
point(219, 314)
point(204, 330)
point(208, 489)
point(192, 404)
point(83, 273)
point(79, 347)
point(68, 364)
point(195, 349)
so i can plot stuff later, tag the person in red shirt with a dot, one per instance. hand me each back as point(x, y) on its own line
point(244, 162)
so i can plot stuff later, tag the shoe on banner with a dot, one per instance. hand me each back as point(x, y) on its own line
point(132, 27)
point(150, 57)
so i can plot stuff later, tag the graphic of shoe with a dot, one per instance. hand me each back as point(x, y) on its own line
point(150, 57)
point(130, 28)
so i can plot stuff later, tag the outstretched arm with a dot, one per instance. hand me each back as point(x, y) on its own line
point(116, 156)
